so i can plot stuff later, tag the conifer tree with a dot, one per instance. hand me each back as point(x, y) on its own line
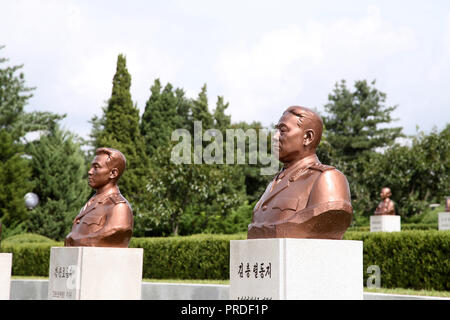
point(15, 181)
point(200, 111)
point(221, 120)
point(354, 119)
point(184, 110)
point(14, 96)
point(60, 179)
point(15, 123)
point(160, 116)
point(121, 131)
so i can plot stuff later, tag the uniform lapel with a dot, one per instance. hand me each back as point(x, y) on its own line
point(279, 186)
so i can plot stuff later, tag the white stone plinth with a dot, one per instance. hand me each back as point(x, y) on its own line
point(5, 275)
point(94, 273)
point(385, 223)
point(444, 221)
point(293, 269)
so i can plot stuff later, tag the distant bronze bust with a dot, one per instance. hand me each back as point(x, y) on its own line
point(106, 220)
point(306, 199)
point(386, 206)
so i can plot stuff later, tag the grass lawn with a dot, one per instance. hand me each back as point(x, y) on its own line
point(434, 293)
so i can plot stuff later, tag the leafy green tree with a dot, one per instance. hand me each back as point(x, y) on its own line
point(356, 120)
point(417, 174)
point(15, 123)
point(120, 130)
point(358, 125)
point(15, 182)
point(60, 179)
point(190, 198)
point(186, 198)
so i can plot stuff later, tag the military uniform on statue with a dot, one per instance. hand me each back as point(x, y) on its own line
point(100, 220)
point(294, 203)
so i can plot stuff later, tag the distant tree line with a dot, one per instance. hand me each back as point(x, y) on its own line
point(181, 199)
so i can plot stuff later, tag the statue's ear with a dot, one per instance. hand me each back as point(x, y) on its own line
point(308, 137)
point(113, 173)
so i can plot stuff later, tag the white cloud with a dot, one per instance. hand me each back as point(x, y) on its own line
point(279, 68)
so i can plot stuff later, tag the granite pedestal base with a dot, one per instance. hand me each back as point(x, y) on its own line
point(5, 275)
point(385, 223)
point(93, 273)
point(444, 221)
point(293, 269)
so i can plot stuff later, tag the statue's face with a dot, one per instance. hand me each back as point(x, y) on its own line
point(288, 139)
point(99, 174)
point(385, 193)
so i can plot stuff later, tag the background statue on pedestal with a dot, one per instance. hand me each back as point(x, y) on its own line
point(386, 206)
point(106, 220)
point(306, 199)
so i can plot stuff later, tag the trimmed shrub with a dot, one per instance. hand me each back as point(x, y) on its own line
point(191, 257)
point(29, 259)
point(28, 238)
point(404, 227)
point(409, 259)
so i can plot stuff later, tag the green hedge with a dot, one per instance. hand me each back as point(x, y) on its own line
point(404, 227)
point(413, 259)
point(408, 259)
point(29, 259)
point(191, 257)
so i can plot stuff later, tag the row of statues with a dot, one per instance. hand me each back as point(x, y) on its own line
point(305, 199)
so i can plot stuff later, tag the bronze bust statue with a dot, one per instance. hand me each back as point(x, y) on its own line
point(386, 206)
point(306, 199)
point(106, 220)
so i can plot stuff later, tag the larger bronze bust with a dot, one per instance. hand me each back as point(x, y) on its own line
point(306, 199)
point(106, 220)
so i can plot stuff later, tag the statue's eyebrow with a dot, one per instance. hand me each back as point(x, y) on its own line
point(279, 125)
point(95, 163)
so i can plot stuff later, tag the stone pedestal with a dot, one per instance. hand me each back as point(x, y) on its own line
point(5, 275)
point(444, 220)
point(292, 269)
point(385, 223)
point(94, 273)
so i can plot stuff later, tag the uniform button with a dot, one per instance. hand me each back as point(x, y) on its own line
point(264, 208)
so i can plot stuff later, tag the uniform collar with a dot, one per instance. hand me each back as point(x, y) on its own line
point(100, 198)
point(299, 165)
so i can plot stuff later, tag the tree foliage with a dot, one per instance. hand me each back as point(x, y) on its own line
point(417, 174)
point(355, 120)
point(185, 198)
point(14, 96)
point(15, 181)
point(119, 128)
point(15, 123)
point(60, 179)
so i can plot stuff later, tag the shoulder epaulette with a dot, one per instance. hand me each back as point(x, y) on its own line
point(117, 198)
point(321, 167)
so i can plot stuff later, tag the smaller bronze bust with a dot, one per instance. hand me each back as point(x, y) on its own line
point(106, 220)
point(386, 206)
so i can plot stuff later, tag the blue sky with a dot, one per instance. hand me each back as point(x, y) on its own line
point(262, 56)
